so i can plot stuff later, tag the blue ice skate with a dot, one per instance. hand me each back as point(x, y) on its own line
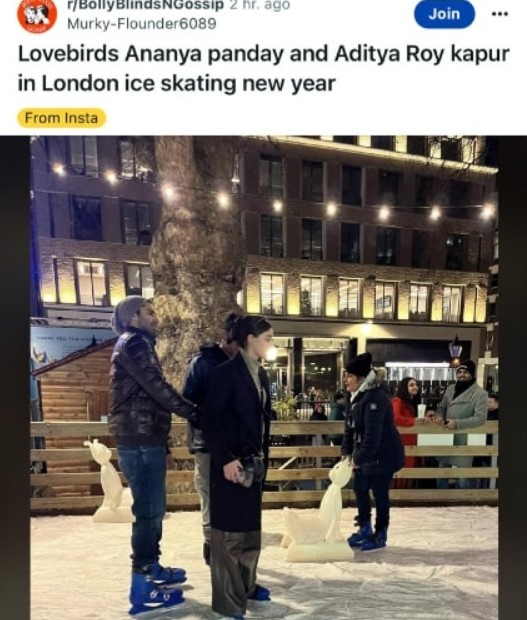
point(375, 542)
point(363, 533)
point(260, 594)
point(145, 595)
point(166, 576)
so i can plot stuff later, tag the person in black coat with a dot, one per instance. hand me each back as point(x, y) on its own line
point(235, 424)
point(374, 449)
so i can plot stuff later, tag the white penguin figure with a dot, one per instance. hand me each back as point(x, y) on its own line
point(317, 538)
point(117, 503)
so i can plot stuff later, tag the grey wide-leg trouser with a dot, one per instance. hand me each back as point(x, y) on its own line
point(233, 562)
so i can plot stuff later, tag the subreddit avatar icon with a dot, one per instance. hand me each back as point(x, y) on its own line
point(37, 16)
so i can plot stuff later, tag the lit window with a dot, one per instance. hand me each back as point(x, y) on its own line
point(451, 304)
point(311, 296)
point(349, 298)
point(384, 300)
point(419, 302)
point(92, 283)
point(272, 293)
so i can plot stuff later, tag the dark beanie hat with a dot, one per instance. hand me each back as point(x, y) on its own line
point(124, 312)
point(469, 366)
point(360, 365)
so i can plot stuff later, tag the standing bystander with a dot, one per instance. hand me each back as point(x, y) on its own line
point(196, 381)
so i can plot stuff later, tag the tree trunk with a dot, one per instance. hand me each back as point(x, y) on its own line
point(197, 254)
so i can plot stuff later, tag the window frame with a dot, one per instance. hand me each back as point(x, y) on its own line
point(91, 261)
point(269, 309)
point(308, 193)
point(461, 296)
point(84, 168)
point(384, 284)
point(128, 290)
point(350, 313)
point(136, 204)
point(269, 190)
point(75, 199)
point(322, 305)
point(272, 219)
point(415, 316)
point(311, 256)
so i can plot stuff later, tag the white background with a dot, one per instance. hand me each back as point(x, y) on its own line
point(396, 98)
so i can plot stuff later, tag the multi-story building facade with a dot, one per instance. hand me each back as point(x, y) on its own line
point(95, 205)
point(488, 366)
point(354, 242)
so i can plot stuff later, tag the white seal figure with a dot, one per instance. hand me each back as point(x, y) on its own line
point(117, 503)
point(317, 538)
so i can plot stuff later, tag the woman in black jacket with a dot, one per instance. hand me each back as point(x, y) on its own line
point(236, 421)
point(374, 449)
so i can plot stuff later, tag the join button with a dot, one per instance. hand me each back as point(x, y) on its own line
point(438, 14)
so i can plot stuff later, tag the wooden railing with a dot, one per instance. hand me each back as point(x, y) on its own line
point(304, 463)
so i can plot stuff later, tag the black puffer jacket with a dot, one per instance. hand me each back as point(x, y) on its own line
point(142, 400)
point(370, 435)
point(198, 375)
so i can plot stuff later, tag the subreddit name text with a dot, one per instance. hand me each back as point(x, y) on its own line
point(134, 5)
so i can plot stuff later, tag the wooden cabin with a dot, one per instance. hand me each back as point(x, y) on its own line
point(75, 389)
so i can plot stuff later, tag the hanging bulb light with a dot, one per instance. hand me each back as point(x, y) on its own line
point(487, 212)
point(111, 177)
point(223, 200)
point(435, 213)
point(384, 213)
point(331, 209)
point(59, 169)
point(168, 191)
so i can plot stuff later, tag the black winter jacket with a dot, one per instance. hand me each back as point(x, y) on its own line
point(142, 400)
point(370, 436)
point(198, 375)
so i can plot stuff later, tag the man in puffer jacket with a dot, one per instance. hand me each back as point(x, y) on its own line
point(140, 419)
point(373, 448)
point(196, 382)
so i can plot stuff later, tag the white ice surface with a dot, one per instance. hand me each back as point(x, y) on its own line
point(440, 564)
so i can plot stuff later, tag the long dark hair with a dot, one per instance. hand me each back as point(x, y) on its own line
point(248, 325)
point(403, 393)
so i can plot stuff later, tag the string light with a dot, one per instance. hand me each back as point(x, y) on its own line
point(223, 200)
point(487, 211)
point(435, 213)
point(111, 177)
point(167, 191)
point(59, 169)
point(384, 213)
point(331, 209)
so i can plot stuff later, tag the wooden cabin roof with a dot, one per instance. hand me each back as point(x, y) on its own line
point(75, 356)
